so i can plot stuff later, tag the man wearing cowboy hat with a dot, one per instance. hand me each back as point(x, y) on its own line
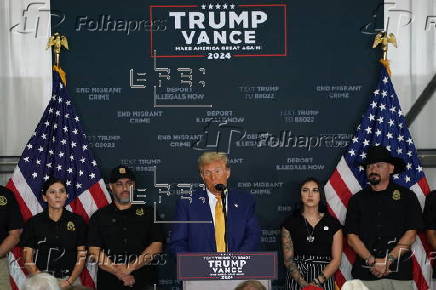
point(381, 225)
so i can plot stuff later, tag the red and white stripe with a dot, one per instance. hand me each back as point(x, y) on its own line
point(339, 189)
point(85, 205)
point(29, 204)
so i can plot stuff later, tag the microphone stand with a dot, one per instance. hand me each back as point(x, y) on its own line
point(224, 201)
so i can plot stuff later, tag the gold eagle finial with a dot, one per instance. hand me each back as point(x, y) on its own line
point(57, 41)
point(384, 39)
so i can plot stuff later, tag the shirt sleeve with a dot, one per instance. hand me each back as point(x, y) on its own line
point(251, 239)
point(430, 211)
point(179, 235)
point(28, 236)
point(287, 224)
point(352, 220)
point(414, 213)
point(157, 233)
point(94, 236)
point(335, 225)
point(15, 220)
point(82, 232)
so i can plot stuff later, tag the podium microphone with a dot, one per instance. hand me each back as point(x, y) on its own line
point(223, 189)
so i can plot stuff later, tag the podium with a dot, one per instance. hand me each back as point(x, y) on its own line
point(225, 271)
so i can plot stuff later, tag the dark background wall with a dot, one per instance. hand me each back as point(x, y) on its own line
point(283, 103)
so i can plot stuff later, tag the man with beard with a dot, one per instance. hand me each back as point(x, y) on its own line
point(381, 225)
point(123, 238)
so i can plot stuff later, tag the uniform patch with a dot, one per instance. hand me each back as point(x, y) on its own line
point(122, 170)
point(71, 226)
point(396, 195)
point(140, 211)
point(3, 200)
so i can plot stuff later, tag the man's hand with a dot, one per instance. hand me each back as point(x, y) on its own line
point(380, 268)
point(128, 280)
point(122, 272)
point(64, 284)
point(124, 268)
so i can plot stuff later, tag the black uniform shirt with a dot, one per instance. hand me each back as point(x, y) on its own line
point(123, 232)
point(123, 235)
point(10, 217)
point(430, 218)
point(380, 219)
point(55, 243)
point(323, 235)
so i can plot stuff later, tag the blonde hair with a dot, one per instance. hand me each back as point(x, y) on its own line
point(249, 285)
point(41, 281)
point(209, 157)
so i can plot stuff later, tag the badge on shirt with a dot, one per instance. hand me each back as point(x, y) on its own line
point(396, 195)
point(71, 226)
point(140, 211)
point(3, 200)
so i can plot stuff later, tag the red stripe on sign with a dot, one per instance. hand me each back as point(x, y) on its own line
point(98, 195)
point(86, 279)
point(340, 187)
point(420, 281)
point(25, 211)
point(424, 185)
point(77, 207)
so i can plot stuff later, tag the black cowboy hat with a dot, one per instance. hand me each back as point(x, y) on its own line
point(381, 154)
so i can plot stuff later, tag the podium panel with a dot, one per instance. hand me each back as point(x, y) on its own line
point(225, 270)
point(219, 284)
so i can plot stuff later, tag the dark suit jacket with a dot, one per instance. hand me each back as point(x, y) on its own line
point(243, 230)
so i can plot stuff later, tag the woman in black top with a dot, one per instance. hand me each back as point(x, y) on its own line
point(312, 241)
point(54, 240)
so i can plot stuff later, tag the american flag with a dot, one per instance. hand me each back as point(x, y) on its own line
point(382, 124)
point(57, 148)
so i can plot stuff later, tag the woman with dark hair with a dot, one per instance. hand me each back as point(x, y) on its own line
point(54, 240)
point(311, 241)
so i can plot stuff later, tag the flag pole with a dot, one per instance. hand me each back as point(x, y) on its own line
point(384, 39)
point(57, 41)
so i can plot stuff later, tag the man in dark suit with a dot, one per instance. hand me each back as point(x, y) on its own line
point(201, 218)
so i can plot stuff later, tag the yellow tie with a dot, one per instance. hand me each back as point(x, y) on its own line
point(219, 226)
